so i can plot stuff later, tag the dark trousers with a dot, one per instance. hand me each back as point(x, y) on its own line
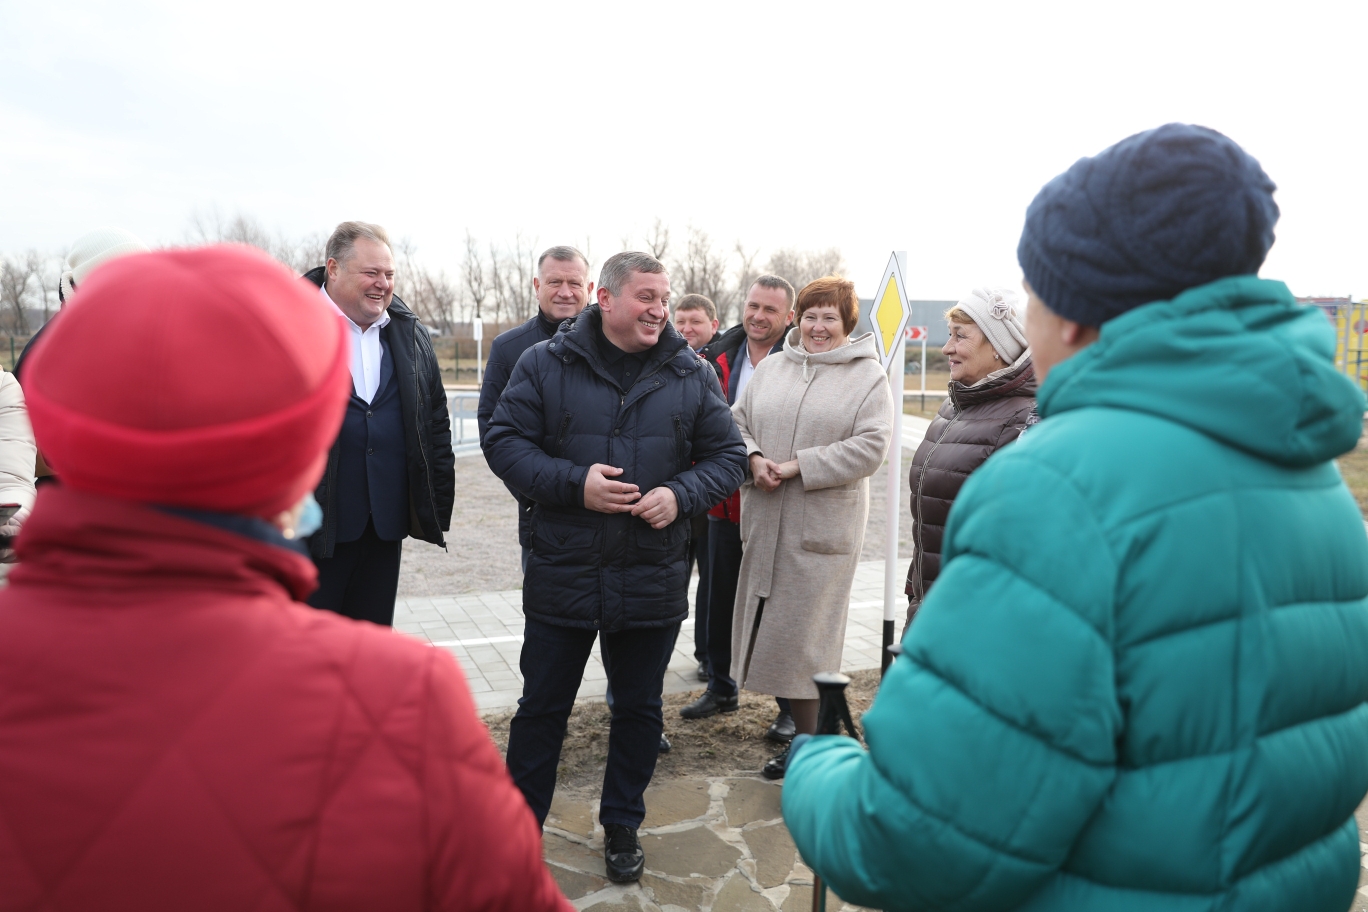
point(724, 566)
point(698, 551)
point(552, 665)
point(360, 579)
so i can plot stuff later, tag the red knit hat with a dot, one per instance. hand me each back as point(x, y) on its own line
point(211, 379)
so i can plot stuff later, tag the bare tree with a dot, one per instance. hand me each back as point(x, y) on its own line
point(430, 295)
point(657, 240)
point(511, 273)
point(802, 266)
point(746, 273)
point(703, 269)
point(475, 282)
point(23, 289)
point(213, 227)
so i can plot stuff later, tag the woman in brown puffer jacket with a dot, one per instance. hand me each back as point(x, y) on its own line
point(991, 401)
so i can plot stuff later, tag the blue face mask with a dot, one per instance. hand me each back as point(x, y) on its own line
point(311, 520)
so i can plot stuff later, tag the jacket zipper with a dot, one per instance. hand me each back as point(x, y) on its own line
point(917, 529)
point(560, 436)
point(679, 445)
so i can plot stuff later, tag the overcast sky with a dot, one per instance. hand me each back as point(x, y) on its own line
point(919, 126)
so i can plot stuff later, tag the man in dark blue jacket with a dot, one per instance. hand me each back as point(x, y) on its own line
point(391, 472)
point(618, 434)
point(562, 287)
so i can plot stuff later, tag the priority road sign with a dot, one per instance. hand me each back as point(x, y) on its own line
point(890, 313)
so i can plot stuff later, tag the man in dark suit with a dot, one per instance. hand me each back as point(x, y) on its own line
point(391, 472)
point(563, 287)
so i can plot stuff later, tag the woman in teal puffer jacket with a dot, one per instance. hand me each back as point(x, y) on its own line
point(1140, 680)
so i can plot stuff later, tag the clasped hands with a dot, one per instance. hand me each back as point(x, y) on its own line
point(659, 507)
point(769, 474)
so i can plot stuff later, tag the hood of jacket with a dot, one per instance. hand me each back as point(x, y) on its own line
point(859, 347)
point(1238, 360)
point(1016, 379)
point(581, 336)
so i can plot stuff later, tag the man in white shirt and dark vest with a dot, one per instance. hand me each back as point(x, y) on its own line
point(390, 473)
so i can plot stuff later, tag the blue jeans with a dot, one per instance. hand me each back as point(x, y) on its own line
point(552, 664)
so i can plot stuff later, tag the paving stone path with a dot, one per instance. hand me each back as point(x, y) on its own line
point(712, 845)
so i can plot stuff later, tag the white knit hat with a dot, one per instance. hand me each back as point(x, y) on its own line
point(90, 250)
point(997, 312)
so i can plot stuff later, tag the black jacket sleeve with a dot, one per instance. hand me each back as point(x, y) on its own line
point(439, 432)
point(496, 375)
point(513, 444)
point(718, 453)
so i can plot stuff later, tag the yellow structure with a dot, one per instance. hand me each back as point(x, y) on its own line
point(1350, 319)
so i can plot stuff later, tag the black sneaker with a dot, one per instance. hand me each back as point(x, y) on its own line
point(622, 853)
point(710, 704)
point(782, 728)
point(777, 766)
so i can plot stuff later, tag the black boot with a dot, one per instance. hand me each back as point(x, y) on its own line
point(665, 745)
point(710, 704)
point(622, 853)
point(782, 728)
point(777, 766)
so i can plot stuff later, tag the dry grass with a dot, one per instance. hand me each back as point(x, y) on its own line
point(726, 744)
point(1354, 467)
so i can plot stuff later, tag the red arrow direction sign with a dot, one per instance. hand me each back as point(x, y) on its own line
point(917, 333)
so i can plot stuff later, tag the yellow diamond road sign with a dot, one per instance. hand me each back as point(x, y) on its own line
point(891, 312)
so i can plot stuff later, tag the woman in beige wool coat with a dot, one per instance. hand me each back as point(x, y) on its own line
point(816, 420)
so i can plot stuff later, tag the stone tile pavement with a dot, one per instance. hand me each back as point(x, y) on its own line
point(715, 845)
point(484, 632)
point(712, 844)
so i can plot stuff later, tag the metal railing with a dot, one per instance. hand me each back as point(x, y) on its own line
point(465, 428)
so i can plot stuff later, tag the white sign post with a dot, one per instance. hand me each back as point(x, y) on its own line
point(477, 330)
point(915, 333)
point(889, 319)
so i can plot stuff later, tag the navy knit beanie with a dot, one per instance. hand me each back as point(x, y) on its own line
point(1158, 213)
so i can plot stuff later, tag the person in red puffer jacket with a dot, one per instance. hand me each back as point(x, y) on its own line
point(177, 729)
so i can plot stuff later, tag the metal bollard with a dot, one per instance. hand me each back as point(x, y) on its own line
point(832, 712)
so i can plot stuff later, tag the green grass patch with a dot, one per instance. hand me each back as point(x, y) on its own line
point(1354, 467)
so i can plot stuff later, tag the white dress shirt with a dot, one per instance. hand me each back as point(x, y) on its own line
point(746, 369)
point(365, 351)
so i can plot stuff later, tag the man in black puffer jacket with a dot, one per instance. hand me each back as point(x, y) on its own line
point(563, 288)
point(619, 435)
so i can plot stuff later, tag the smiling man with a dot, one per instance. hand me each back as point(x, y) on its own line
point(618, 435)
point(734, 355)
point(391, 472)
point(563, 288)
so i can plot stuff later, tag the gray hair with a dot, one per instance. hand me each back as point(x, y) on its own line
point(619, 267)
point(773, 281)
point(344, 236)
point(563, 253)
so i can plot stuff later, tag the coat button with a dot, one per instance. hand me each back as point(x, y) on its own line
point(617, 431)
point(370, 451)
point(370, 414)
